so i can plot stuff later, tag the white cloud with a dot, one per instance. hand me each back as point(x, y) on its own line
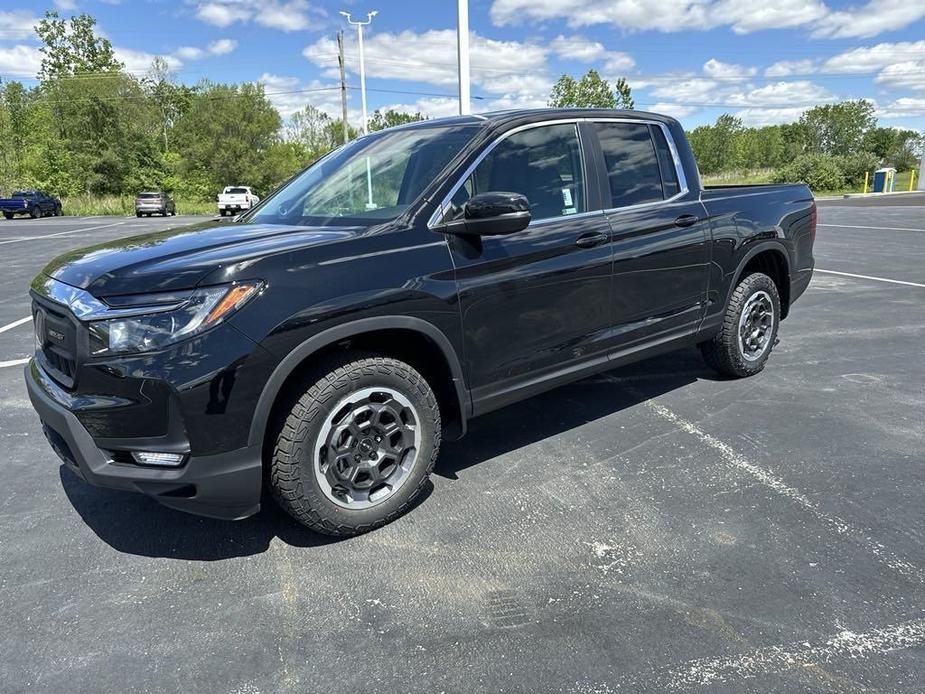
point(66, 5)
point(692, 90)
point(785, 68)
point(757, 117)
point(674, 110)
point(582, 49)
point(906, 75)
point(189, 53)
point(293, 15)
point(219, 47)
point(871, 19)
point(222, 46)
point(20, 61)
point(498, 67)
point(289, 94)
point(780, 94)
point(873, 58)
point(18, 24)
point(139, 62)
point(905, 107)
point(729, 71)
point(742, 16)
point(222, 14)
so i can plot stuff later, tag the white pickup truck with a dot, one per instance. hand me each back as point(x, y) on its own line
point(235, 199)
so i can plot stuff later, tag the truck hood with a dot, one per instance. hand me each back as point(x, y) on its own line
point(181, 258)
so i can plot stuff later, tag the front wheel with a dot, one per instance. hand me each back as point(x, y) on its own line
point(36, 212)
point(355, 449)
point(749, 332)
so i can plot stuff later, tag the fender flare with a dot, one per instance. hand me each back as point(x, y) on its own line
point(751, 253)
point(342, 332)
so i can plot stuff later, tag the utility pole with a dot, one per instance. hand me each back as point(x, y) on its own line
point(343, 84)
point(462, 52)
point(359, 25)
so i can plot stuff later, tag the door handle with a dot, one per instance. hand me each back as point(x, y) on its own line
point(686, 220)
point(591, 240)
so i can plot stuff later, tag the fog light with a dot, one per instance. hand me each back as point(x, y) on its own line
point(162, 459)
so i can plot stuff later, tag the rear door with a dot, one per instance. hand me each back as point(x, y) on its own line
point(660, 233)
point(535, 302)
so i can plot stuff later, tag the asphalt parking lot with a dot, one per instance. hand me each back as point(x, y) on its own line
point(653, 529)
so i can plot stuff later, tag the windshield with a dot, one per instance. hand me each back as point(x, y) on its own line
point(368, 181)
point(148, 196)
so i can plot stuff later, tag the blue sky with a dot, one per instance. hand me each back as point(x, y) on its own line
point(765, 61)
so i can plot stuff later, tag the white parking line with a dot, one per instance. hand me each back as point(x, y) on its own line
point(15, 324)
point(14, 362)
point(869, 277)
point(797, 497)
point(777, 658)
point(61, 233)
point(849, 226)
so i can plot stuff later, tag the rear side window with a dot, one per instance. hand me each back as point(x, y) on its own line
point(666, 163)
point(633, 173)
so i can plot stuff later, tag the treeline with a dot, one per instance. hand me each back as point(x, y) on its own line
point(830, 147)
point(90, 128)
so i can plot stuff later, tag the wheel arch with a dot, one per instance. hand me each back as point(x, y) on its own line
point(453, 392)
point(772, 259)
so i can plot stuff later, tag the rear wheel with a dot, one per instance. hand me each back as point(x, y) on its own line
point(138, 214)
point(8, 215)
point(749, 331)
point(355, 449)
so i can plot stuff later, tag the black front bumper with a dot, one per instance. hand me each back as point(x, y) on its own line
point(225, 485)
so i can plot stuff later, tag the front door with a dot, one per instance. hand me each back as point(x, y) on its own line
point(535, 302)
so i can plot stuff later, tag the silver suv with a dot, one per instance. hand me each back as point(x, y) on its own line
point(154, 203)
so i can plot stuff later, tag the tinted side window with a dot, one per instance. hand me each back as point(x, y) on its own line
point(543, 163)
point(632, 165)
point(666, 164)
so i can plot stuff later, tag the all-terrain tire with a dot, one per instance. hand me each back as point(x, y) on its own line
point(298, 438)
point(725, 352)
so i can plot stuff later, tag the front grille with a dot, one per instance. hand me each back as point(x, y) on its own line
point(58, 334)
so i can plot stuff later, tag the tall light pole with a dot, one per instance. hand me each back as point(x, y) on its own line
point(359, 25)
point(921, 185)
point(462, 52)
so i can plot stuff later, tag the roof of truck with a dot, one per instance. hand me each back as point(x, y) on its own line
point(528, 115)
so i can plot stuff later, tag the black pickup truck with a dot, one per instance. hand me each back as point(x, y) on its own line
point(322, 345)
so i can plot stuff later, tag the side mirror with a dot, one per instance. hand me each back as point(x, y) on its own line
point(492, 214)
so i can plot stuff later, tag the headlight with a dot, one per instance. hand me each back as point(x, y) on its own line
point(156, 326)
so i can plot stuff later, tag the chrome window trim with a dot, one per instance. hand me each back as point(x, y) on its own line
point(437, 216)
point(87, 307)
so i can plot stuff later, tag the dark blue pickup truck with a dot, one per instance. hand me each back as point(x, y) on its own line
point(34, 203)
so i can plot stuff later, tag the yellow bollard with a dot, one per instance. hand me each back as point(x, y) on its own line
point(912, 181)
point(866, 179)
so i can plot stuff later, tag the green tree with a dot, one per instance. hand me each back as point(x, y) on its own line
point(389, 118)
point(225, 135)
point(169, 98)
point(71, 48)
point(838, 128)
point(591, 91)
point(894, 146)
point(717, 147)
